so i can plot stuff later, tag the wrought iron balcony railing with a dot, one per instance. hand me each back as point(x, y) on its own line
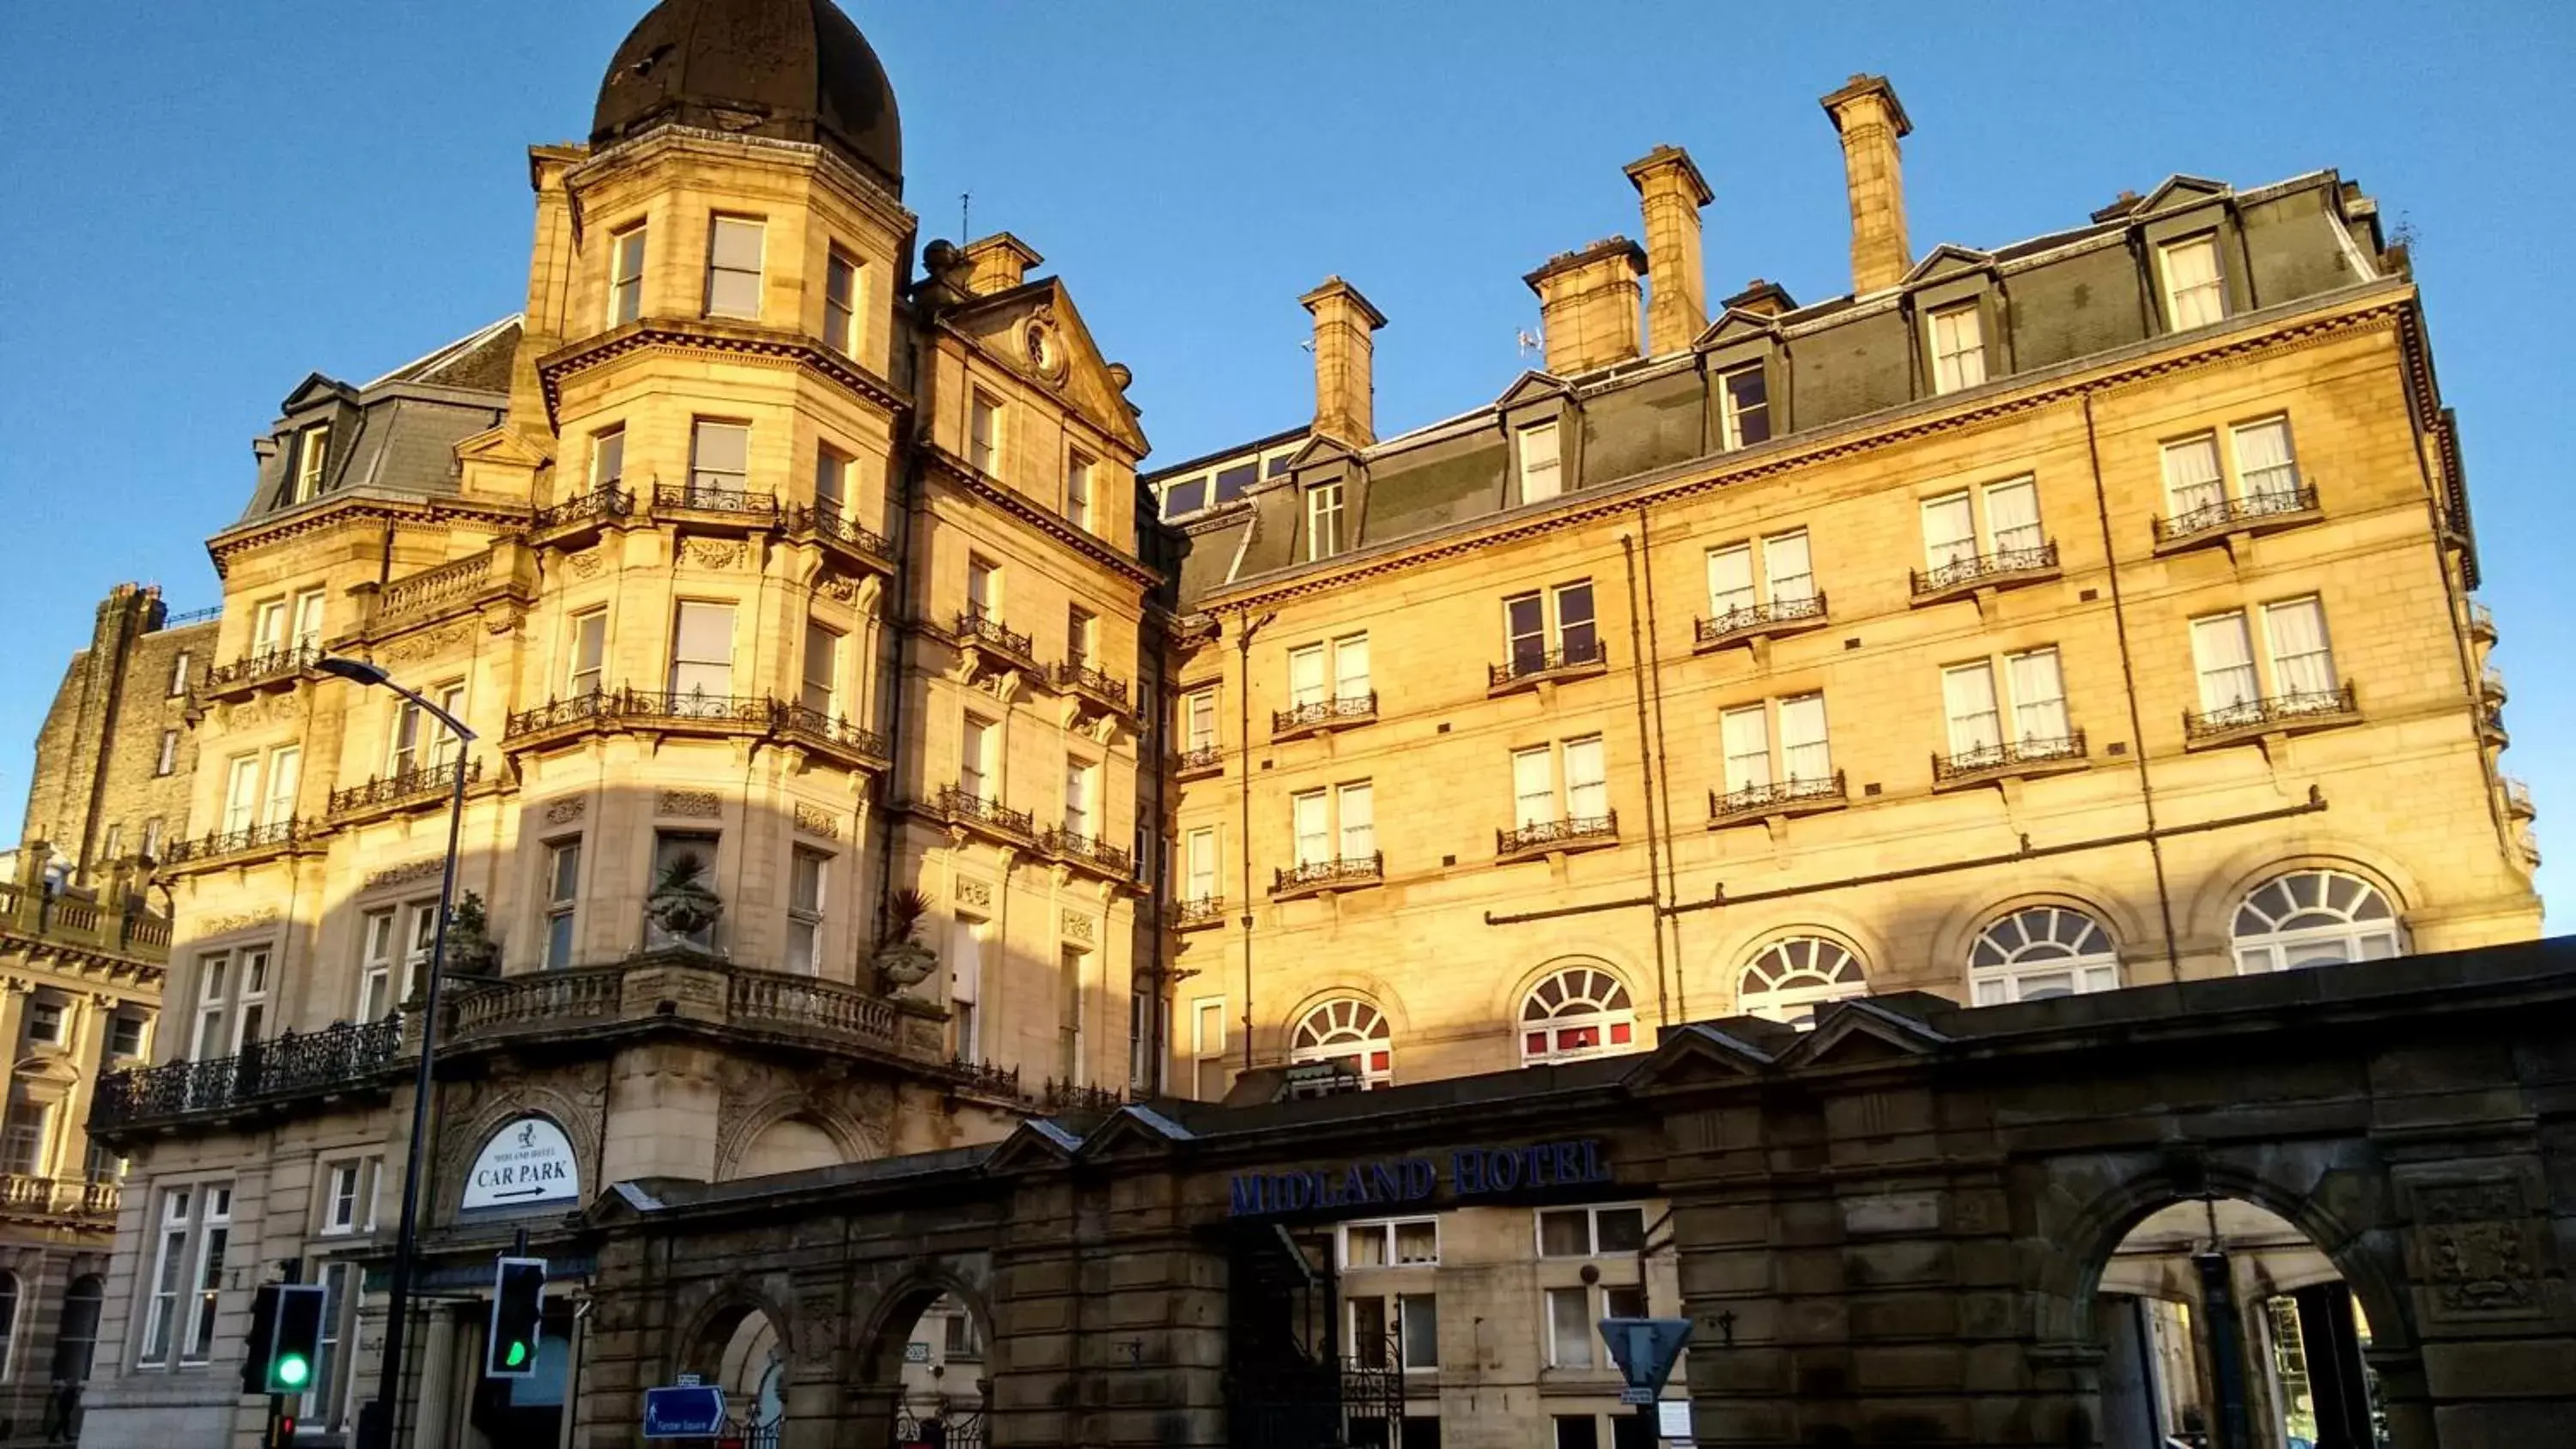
point(1778, 797)
point(2481, 622)
point(283, 662)
point(1205, 760)
point(746, 711)
point(2008, 757)
point(957, 804)
point(2517, 799)
point(715, 498)
point(985, 1079)
point(2223, 515)
point(976, 627)
point(250, 839)
point(596, 505)
point(829, 729)
point(1571, 833)
point(404, 787)
point(1073, 674)
point(1317, 875)
point(831, 524)
point(1088, 851)
point(1528, 666)
point(337, 1059)
point(1191, 915)
point(1057, 1096)
point(1747, 621)
point(1316, 714)
point(2003, 566)
point(2307, 709)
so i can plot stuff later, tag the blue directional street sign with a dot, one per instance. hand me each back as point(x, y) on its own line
point(691, 1411)
point(1644, 1349)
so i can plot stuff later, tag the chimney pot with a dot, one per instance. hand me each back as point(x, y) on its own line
point(1587, 305)
point(1345, 389)
point(1871, 120)
point(1670, 193)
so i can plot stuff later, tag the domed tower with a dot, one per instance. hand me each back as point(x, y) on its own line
point(795, 70)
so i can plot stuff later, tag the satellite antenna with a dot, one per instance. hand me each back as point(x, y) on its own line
point(965, 216)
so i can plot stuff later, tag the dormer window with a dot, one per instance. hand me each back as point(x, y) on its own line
point(312, 453)
point(1744, 397)
point(733, 268)
point(2193, 296)
point(1958, 348)
point(626, 275)
point(841, 303)
point(1542, 473)
point(1323, 521)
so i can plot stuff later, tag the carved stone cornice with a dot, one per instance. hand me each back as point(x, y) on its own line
point(700, 338)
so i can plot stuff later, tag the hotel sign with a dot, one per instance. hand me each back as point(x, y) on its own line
point(1398, 1182)
point(527, 1163)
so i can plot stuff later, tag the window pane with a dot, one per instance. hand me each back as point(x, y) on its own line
point(1306, 675)
point(1968, 698)
point(1569, 1321)
point(1365, 1246)
point(1314, 835)
point(1621, 1230)
point(2263, 462)
point(1417, 1242)
point(2301, 662)
point(1730, 580)
point(2012, 512)
point(1587, 790)
point(1351, 667)
point(1804, 752)
point(1565, 1234)
point(2039, 696)
point(1949, 530)
point(1747, 745)
point(1748, 407)
point(1574, 621)
point(1420, 1314)
point(1786, 567)
point(1359, 822)
point(2224, 655)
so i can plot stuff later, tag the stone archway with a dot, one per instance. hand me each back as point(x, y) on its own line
point(887, 1386)
point(741, 1345)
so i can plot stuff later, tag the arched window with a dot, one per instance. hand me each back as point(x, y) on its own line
point(1579, 1012)
point(77, 1342)
point(1351, 1032)
point(2314, 918)
point(2039, 952)
point(1791, 978)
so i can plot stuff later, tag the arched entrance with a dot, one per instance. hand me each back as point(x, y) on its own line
point(741, 1351)
point(920, 1378)
point(2221, 1322)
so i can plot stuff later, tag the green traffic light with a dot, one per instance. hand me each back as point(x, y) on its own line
point(516, 1354)
point(292, 1371)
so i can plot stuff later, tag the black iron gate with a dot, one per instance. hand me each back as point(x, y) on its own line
point(1290, 1384)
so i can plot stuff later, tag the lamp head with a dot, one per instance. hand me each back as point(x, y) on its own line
point(356, 671)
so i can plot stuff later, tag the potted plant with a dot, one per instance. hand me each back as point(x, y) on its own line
point(471, 951)
point(902, 961)
point(680, 903)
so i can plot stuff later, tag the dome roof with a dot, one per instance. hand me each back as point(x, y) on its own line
point(797, 70)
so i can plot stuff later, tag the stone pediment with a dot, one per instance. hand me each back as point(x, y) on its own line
point(315, 388)
point(1037, 1146)
point(1321, 448)
point(1736, 325)
point(1037, 331)
point(1949, 259)
point(1133, 1132)
point(1859, 1031)
point(1701, 1054)
point(1533, 386)
point(2181, 189)
point(505, 445)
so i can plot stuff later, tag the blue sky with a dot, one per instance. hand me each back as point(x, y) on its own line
point(211, 200)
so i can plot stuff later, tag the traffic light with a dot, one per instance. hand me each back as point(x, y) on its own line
point(285, 1346)
point(518, 1309)
point(295, 1352)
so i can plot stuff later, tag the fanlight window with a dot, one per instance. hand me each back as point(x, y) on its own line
point(1578, 1012)
point(1351, 1032)
point(1791, 978)
point(2314, 918)
point(2040, 952)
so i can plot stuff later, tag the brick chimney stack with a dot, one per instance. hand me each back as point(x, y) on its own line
point(1871, 120)
point(1670, 193)
point(1587, 305)
point(1345, 390)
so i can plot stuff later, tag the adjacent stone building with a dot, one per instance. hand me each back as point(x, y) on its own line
point(866, 762)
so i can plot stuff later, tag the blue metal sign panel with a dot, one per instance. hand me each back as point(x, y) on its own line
point(695, 1411)
point(1645, 1349)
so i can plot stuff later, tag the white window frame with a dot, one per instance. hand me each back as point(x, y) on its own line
point(1591, 999)
point(1958, 352)
point(342, 1196)
point(378, 945)
point(844, 283)
point(1207, 1047)
point(587, 651)
point(2356, 936)
point(1540, 450)
point(820, 689)
point(1550, 635)
point(179, 664)
point(1386, 1231)
point(1591, 1230)
point(158, 1343)
point(720, 227)
point(1731, 412)
point(1347, 1028)
point(626, 258)
point(312, 461)
point(2192, 303)
point(1323, 520)
point(1579, 1353)
point(608, 457)
point(1198, 708)
point(166, 763)
point(562, 903)
point(698, 672)
point(710, 473)
point(2020, 955)
point(985, 431)
point(805, 912)
point(1814, 979)
point(1199, 884)
point(205, 1297)
point(1080, 469)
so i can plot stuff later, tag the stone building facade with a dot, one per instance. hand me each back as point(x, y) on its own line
point(2090, 611)
point(865, 761)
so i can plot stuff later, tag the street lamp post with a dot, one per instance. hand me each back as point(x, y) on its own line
point(376, 1428)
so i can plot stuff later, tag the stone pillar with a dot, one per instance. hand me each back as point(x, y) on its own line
point(1871, 120)
point(1345, 389)
point(1588, 305)
point(1670, 192)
